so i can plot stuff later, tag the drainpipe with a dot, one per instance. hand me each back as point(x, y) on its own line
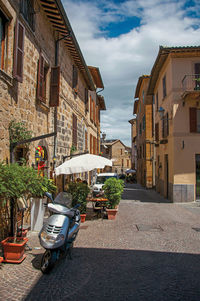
point(56, 109)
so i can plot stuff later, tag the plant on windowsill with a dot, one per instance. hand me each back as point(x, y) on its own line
point(16, 182)
point(79, 192)
point(73, 149)
point(113, 189)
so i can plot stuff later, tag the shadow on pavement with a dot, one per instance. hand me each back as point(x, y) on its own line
point(137, 193)
point(113, 274)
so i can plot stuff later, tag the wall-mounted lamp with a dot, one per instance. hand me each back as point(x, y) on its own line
point(161, 112)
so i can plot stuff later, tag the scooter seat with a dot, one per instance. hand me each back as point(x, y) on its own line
point(56, 208)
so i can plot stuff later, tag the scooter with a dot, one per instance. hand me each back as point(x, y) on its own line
point(59, 231)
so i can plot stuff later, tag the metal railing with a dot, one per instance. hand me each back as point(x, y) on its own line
point(191, 82)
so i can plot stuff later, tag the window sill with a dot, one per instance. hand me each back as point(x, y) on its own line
point(6, 78)
point(43, 105)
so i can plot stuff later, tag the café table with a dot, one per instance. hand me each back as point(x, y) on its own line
point(99, 205)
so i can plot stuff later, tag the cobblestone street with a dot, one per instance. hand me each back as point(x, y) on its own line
point(150, 252)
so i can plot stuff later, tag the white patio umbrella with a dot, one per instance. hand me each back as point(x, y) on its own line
point(82, 163)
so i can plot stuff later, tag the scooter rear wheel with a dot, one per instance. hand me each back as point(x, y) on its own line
point(47, 262)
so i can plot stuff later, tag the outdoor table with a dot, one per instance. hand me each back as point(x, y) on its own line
point(102, 203)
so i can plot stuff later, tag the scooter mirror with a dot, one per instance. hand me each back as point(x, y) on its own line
point(49, 195)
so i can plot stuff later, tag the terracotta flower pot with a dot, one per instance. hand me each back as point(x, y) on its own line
point(83, 216)
point(14, 252)
point(111, 213)
point(1, 259)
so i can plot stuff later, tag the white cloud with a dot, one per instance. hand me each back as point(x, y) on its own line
point(123, 59)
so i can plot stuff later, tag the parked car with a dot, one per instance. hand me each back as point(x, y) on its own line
point(97, 188)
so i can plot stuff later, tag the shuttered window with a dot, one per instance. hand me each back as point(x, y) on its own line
point(3, 26)
point(40, 84)
point(74, 77)
point(74, 130)
point(157, 131)
point(27, 10)
point(193, 120)
point(97, 115)
point(54, 86)
point(18, 51)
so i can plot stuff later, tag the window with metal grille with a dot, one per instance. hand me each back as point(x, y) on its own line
point(27, 10)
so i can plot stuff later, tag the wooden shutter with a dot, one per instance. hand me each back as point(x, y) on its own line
point(54, 87)
point(74, 130)
point(18, 52)
point(86, 99)
point(193, 120)
point(40, 82)
point(74, 77)
point(97, 146)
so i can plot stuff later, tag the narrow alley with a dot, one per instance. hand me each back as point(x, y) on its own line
point(150, 252)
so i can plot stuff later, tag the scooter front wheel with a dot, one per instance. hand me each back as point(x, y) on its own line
point(47, 262)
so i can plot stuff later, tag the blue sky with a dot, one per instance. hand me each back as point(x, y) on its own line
point(122, 38)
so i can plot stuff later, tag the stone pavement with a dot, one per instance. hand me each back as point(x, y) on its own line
point(151, 252)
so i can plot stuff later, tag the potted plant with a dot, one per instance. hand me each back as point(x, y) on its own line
point(79, 192)
point(19, 181)
point(113, 189)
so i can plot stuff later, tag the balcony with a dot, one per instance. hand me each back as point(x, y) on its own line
point(191, 87)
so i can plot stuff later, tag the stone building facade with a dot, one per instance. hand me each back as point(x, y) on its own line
point(119, 153)
point(45, 82)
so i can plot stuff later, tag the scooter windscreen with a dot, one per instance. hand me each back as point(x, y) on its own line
point(64, 198)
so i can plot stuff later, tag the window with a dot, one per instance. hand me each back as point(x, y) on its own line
point(54, 86)
point(74, 77)
point(97, 115)
point(3, 22)
point(18, 52)
point(27, 10)
point(165, 126)
point(197, 76)
point(164, 87)
point(74, 130)
point(42, 77)
point(127, 163)
point(121, 151)
point(94, 145)
point(94, 112)
point(194, 120)
point(157, 131)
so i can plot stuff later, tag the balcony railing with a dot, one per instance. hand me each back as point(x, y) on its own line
point(191, 82)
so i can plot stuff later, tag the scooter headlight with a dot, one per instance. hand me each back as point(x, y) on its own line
point(47, 238)
point(60, 237)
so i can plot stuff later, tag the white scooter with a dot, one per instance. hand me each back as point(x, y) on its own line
point(59, 231)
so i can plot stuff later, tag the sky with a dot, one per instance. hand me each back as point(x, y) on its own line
point(122, 38)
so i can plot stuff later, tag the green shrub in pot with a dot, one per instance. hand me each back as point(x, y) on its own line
point(113, 189)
